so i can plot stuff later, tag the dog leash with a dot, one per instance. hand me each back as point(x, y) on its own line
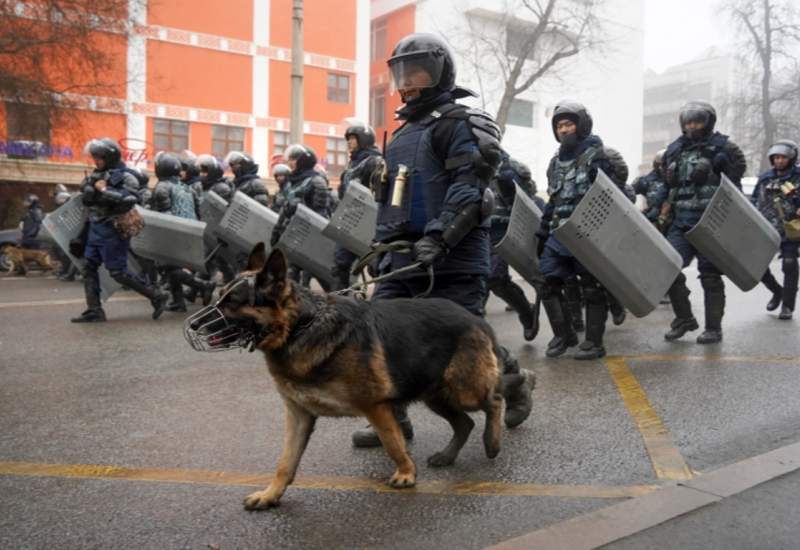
point(359, 290)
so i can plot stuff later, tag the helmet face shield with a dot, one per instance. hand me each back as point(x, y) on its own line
point(698, 116)
point(416, 71)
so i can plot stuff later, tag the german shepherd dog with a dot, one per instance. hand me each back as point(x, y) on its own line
point(336, 356)
point(18, 259)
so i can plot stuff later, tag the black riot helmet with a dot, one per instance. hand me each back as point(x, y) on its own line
point(241, 163)
point(701, 112)
point(105, 149)
point(167, 165)
point(189, 164)
point(577, 113)
point(209, 165)
point(658, 159)
point(281, 170)
point(785, 147)
point(423, 52)
point(141, 176)
point(305, 157)
point(30, 200)
point(364, 134)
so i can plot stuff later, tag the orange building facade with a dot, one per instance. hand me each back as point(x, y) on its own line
point(213, 76)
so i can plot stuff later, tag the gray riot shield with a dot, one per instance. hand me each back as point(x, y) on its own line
point(305, 244)
point(66, 223)
point(620, 247)
point(735, 237)
point(171, 240)
point(518, 245)
point(246, 223)
point(212, 210)
point(353, 223)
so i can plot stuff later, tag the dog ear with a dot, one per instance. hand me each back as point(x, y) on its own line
point(258, 257)
point(275, 270)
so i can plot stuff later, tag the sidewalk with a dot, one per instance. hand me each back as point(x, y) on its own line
point(752, 504)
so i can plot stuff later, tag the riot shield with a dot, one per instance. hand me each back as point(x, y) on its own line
point(212, 210)
point(353, 223)
point(305, 244)
point(620, 247)
point(518, 245)
point(246, 223)
point(66, 223)
point(171, 240)
point(735, 237)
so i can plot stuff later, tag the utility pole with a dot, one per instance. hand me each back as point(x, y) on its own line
point(296, 121)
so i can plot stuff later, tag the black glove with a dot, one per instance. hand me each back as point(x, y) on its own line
point(429, 249)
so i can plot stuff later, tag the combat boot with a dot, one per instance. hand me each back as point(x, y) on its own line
point(157, 298)
point(790, 276)
point(91, 287)
point(714, 290)
point(596, 315)
point(786, 313)
point(564, 336)
point(574, 304)
point(684, 318)
point(617, 311)
point(517, 388)
point(368, 437)
point(512, 294)
point(777, 290)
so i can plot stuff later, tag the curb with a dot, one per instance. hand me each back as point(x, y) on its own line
point(622, 520)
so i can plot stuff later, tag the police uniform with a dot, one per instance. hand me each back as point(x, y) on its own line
point(694, 164)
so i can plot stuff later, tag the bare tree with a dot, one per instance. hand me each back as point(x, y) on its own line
point(526, 40)
point(55, 53)
point(769, 43)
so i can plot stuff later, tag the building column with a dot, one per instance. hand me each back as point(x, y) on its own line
point(261, 151)
point(136, 124)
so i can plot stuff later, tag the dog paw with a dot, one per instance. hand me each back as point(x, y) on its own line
point(260, 500)
point(438, 460)
point(402, 480)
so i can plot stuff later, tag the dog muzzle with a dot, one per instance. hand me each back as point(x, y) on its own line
point(209, 330)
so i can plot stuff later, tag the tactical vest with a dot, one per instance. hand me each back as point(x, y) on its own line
point(688, 195)
point(426, 180)
point(770, 195)
point(356, 173)
point(182, 201)
point(568, 181)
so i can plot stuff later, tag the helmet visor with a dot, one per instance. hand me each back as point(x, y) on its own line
point(416, 71)
point(698, 116)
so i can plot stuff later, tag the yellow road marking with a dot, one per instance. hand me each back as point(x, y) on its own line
point(339, 483)
point(667, 460)
point(709, 358)
point(36, 303)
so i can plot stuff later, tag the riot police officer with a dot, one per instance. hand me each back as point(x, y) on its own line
point(281, 175)
point(777, 197)
point(174, 196)
point(570, 174)
point(190, 174)
point(439, 163)
point(306, 186)
point(245, 177)
point(31, 222)
point(510, 174)
point(109, 192)
point(694, 165)
point(365, 160)
point(212, 178)
point(654, 190)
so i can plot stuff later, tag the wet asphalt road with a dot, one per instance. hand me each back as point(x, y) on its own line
point(178, 438)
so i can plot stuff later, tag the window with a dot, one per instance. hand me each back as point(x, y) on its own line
point(338, 88)
point(337, 155)
point(170, 135)
point(521, 113)
point(280, 141)
point(515, 39)
point(377, 107)
point(377, 40)
point(29, 124)
point(225, 139)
